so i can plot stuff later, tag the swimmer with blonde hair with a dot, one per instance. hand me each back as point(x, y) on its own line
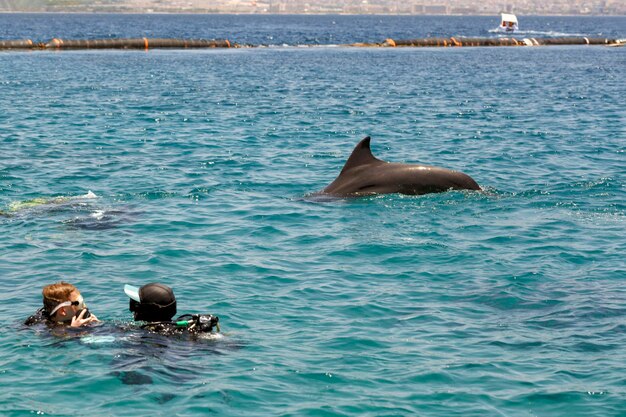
point(62, 305)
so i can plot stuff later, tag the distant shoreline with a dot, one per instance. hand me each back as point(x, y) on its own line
point(226, 13)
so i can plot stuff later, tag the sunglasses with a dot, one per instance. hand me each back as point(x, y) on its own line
point(80, 303)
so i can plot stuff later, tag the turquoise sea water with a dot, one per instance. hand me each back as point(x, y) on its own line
point(509, 302)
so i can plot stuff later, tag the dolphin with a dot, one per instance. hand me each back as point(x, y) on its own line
point(363, 175)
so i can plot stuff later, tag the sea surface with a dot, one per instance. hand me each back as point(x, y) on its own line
point(194, 168)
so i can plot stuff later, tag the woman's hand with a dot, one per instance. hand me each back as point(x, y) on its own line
point(81, 321)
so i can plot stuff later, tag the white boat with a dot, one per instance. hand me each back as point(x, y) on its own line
point(508, 22)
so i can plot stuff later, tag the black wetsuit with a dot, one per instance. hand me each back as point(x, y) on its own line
point(187, 323)
point(40, 316)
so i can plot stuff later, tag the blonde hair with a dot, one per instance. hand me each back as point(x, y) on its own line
point(56, 293)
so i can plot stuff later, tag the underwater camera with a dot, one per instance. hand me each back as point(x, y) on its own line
point(201, 323)
point(87, 313)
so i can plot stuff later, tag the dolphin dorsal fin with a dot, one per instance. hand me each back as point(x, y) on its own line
point(361, 155)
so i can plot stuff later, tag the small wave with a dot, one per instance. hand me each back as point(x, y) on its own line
point(550, 33)
point(211, 336)
point(96, 340)
point(98, 214)
point(300, 46)
point(89, 195)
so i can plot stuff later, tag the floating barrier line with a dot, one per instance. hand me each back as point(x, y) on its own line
point(139, 43)
point(153, 43)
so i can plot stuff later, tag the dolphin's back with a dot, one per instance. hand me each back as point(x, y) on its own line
point(364, 174)
point(435, 178)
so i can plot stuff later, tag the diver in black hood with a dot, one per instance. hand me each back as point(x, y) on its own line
point(155, 304)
